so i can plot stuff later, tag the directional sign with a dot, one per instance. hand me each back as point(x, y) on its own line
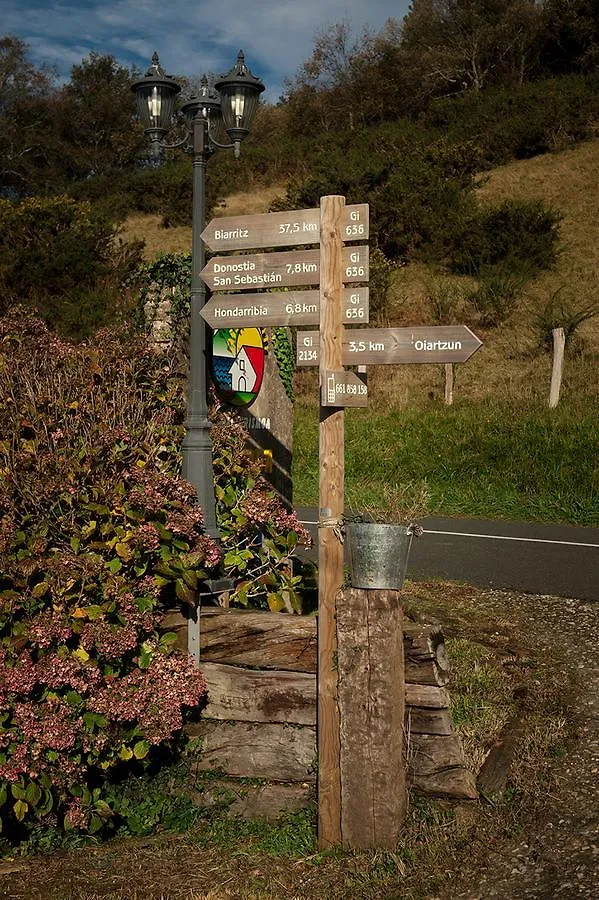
point(290, 308)
point(281, 229)
point(344, 389)
point(438, 344)
point(269, 270)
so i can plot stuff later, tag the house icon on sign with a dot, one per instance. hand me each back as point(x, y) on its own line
point(244, 374)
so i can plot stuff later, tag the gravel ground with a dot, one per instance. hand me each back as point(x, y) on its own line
point(561, 858)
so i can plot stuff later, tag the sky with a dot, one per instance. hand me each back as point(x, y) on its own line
point(191, 36)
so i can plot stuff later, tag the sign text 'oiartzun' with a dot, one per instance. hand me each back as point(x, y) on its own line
point(376, 346)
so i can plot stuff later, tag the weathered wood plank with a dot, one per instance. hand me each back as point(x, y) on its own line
point(252, 801)
point(371, 702)
point(431, 754)
point(259, 696)
point(427, 695)
point(453, 784)
point(428, 721)
point(260, 639)
point(249, 750)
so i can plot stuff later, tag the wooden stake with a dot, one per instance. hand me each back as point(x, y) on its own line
point(559, 343)
point(330, 546)
point(448, 383)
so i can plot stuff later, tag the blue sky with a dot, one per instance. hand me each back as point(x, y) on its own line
point(191, 37)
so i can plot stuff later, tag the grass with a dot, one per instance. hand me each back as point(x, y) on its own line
point(491, 460)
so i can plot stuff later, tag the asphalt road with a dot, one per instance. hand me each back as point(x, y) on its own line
point(562, 560)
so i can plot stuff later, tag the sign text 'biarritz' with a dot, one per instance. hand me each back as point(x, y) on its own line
point(281, 229)
point(289, 308)
point(288, 269)
point(377, 346)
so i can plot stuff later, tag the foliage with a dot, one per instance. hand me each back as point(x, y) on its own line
point(98, 532)
point(60, 256)
point(519, 235)
point(283, 350)
point(496, 297)
point(259, 535)
point(563, 310)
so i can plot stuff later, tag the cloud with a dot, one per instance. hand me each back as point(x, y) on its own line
point(191, 37)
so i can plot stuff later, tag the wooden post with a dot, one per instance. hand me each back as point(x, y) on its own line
point(448, 384)
point(330, 546)
point(372, 706)
point(559, 343)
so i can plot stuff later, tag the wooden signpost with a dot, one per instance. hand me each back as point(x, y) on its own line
point(332, 306)
point(286, 269)
point(376, 346)
point(289, 308)
point(282, 229)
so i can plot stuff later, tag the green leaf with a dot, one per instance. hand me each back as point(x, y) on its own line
point(17, 789)
point(40, 589)
point(125, 753)
point(141, 749)
point(115, 565)
point(75, 544)
point(94, 612)
point(95, 824)
point(184, 594)
point(20, 809)
point(33, 794)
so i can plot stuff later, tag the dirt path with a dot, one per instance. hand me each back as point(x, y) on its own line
point(561, 858)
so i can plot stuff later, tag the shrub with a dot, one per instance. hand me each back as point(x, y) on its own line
point(496, 297)
point(58, 255)
point(563, 310)
point(519, 235)
point(98, 533)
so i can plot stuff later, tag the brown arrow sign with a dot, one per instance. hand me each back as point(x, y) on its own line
point(376, 346)
point(281, 229)
point(290, 308)
point(270, 270)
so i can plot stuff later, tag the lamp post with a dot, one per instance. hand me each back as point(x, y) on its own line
point(232, 101)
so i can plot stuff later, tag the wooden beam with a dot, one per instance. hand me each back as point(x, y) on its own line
point(371, 703)
point(330, 512)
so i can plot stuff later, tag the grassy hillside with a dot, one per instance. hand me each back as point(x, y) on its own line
point(498, 450)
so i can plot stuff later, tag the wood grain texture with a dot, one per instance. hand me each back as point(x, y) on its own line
point(371, 702)
point(427, 695)
point(252, 696)
point(250, 750)
point(252, 801)
point(331, 505)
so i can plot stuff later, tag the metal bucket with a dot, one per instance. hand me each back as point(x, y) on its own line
point(378, 554)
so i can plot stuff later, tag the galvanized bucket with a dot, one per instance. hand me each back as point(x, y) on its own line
point(378, 554)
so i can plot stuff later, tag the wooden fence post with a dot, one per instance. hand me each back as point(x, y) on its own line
point(449, 373)
point(372, 707)
point(559, 343)
point(330, 546)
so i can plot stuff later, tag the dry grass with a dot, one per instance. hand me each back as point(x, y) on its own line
point(177, 239)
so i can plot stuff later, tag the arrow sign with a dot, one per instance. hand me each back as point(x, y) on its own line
point(376, 346)
point(344, 389)
point(281, 229)
point(290, 308)
point(269, 270)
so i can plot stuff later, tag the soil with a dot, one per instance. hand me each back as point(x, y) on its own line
point(555, 855)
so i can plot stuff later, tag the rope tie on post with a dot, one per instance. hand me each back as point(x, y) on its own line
point(336, 524)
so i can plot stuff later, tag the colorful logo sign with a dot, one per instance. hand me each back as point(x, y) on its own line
point(238, 364)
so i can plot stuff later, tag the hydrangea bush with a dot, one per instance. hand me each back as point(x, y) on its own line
point(98, 535)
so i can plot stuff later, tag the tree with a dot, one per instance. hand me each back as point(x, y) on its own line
point(466, 44)
point(24, 93)
point(97, 118)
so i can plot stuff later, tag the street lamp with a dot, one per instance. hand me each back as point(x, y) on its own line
point(233, 101)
